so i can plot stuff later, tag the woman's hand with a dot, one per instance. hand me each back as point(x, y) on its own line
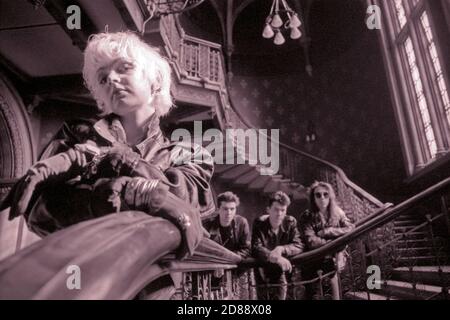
point(154, 197)
point(65, 165)
point(321, 233)
point(187, 219)
point(106, 196)
point(119, 160)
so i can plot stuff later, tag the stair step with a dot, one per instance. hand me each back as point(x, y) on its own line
point(407, 222)
point(406, 290)
point(401, 229)
point(416, 251)
point(247, 178)
point(236, 172)
point(219, 168)
point(410, 217)
point(417, 257)
point(360, 295)
point(272, 186)
point(259, 183)
point(419, 260)
point(432, 275)
point(414, 235)
point(414, 243)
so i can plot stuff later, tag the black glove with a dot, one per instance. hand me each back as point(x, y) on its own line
point(119, 160)
point(65, 165)
point(159, 201)
point(106, 195)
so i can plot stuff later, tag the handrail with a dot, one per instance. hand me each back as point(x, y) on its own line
point(375, 220)
point(379, 218)
point(374, 214)
point(340, 172)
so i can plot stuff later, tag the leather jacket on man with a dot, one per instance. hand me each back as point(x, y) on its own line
point(317, 230)
point(264, 240)
point(235, 238)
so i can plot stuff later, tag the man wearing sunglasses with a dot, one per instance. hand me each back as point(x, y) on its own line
point(324, 222)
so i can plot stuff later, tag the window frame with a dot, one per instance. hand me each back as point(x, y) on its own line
point(415, 145)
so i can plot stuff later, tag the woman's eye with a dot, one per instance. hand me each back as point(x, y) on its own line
point(126, 67)
point(102, 80)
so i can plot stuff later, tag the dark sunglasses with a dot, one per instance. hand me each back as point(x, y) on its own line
point(319, 195)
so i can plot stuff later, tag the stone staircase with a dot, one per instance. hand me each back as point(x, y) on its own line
point(249, 177)
point(423, 271)
point(415, 283)
point(417, 248)
point(201, 80)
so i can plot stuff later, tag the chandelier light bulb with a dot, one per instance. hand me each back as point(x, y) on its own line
point(295, 33)
point(295, 21)
point(268, 32)
point(276, 21)
point(309, 69)
point(274, 24)
point(279, 39)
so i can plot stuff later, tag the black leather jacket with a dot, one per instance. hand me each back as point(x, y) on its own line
point(188, 169)
point(238, 241)
point(264, 240)
point(317, 231)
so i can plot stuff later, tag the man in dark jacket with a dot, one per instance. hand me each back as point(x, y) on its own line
point(275, 238)
point(233, 232)
point(229, 229)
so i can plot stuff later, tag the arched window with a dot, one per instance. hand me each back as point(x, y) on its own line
point(418, 79)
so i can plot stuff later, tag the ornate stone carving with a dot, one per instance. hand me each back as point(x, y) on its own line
point(18, 149)
point(15, 142)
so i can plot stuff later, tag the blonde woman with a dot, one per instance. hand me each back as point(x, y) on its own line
point(116, 195)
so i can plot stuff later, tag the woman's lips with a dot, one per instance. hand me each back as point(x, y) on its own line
point(119, 93)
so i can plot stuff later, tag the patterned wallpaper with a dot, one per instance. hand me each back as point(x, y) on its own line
point(348, 102)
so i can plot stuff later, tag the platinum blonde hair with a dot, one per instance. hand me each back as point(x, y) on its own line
point(103, 48)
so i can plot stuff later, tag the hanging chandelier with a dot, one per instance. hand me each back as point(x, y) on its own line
point(275, 24)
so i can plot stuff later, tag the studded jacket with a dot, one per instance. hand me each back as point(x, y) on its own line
point(187, 168)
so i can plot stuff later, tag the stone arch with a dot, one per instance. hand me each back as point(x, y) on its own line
point(17, 154)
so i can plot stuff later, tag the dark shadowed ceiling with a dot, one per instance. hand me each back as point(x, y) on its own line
point(35, 45)
point(334, 26)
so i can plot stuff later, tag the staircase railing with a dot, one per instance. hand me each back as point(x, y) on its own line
point(201, 63)
point(374, 240)
point(195, 59)
point(373, 243)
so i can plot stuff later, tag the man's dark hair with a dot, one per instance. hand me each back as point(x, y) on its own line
point(280, 197)
point(227, 197)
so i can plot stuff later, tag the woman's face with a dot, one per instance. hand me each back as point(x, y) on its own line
point(123, 87)
point(322, 198)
